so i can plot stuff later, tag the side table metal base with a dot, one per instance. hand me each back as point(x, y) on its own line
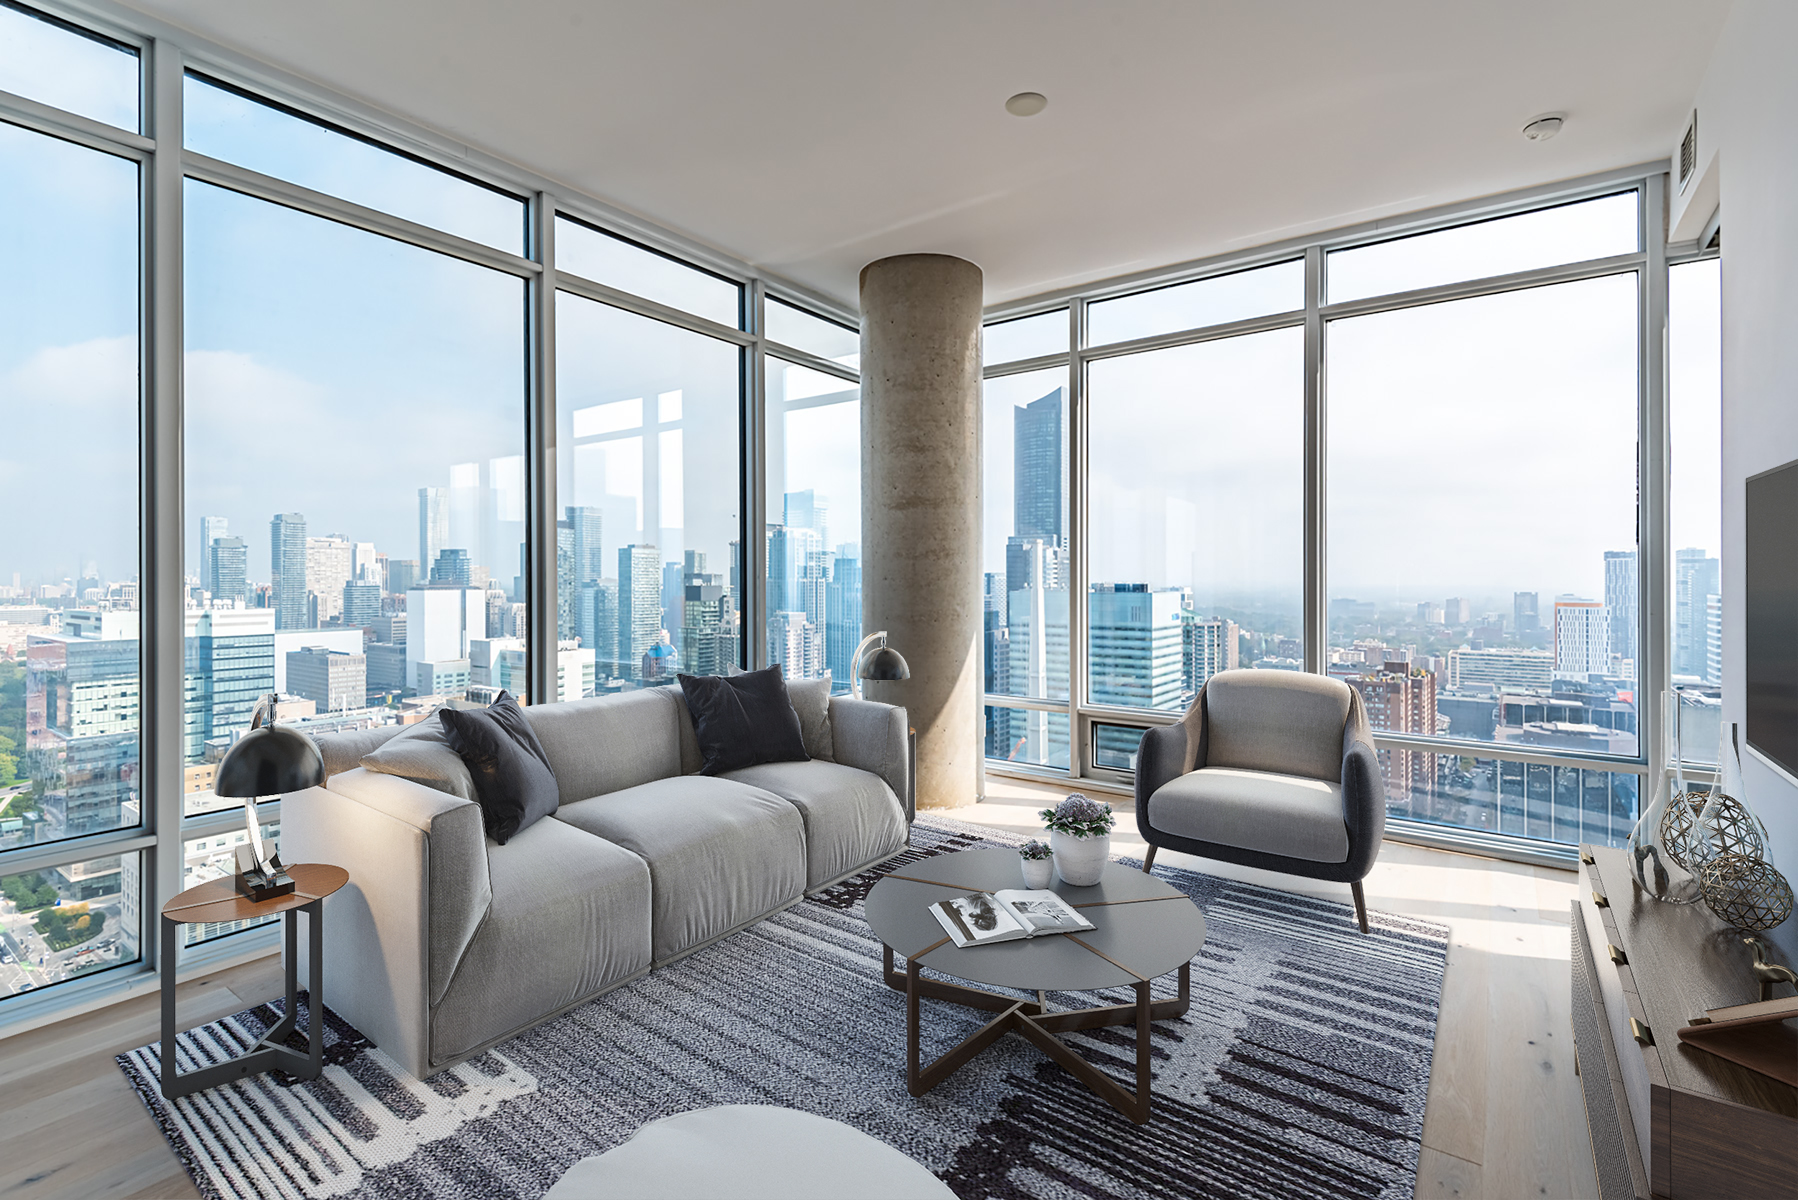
point(1033, 1021)
point(268, 1054)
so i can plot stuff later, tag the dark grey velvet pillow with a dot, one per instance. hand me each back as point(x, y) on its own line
point(512, 778)
point(742, 720)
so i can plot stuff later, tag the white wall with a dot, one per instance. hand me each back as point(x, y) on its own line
point(1747, 114)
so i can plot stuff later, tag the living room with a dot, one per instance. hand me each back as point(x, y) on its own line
point(567, 568)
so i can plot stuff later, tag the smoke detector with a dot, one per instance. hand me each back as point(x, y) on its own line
point(1544, 127)
point(1026, 104)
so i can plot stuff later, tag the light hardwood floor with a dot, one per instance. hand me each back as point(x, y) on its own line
point(1504, 1118)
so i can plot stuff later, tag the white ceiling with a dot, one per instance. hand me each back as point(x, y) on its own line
point(813, 136)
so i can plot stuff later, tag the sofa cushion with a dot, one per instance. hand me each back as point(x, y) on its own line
point(720, 853)
point(743, 719)
point(811, 701)
point(512, 779)
point(850, 816)
point(569, 915)
point(343, 751)
point(423, 754)
point(1289, 815)
point(1281, 721)
point(609, 743)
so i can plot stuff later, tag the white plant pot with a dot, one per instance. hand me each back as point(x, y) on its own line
point(1080, 861)
point(1037, 871)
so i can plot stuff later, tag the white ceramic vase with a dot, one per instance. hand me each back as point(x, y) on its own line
point(1037, 872)
point(1079, 860)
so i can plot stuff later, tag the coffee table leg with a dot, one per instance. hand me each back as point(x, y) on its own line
point(911, 1024)
point(1141, 1115)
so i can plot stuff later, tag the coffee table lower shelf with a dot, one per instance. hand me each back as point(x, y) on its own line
point(1038, 1025)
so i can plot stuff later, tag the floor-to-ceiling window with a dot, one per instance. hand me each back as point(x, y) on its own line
point(70, 755)
point(1694, 504)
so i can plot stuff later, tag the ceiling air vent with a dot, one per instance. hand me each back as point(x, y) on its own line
point(1688, 153)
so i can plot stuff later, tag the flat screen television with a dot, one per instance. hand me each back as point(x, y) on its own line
point(1771, 626)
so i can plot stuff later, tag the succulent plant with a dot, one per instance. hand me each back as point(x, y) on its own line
point(1035, 850)
point(1079, 817)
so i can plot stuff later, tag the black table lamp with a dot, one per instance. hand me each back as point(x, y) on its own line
point(874, 659)
point(266, 761)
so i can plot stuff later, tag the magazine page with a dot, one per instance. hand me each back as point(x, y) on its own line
point(1042, 911)
point(977, 919)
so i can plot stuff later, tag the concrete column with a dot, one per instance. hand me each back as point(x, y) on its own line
point(921, 505)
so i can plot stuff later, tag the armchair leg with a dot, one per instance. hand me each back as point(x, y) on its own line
point(1360, 904)
point(1148, 860)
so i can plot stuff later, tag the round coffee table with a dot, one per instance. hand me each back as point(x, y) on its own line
point(1145, 929)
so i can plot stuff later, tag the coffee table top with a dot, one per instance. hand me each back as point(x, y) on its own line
point(1145, 927)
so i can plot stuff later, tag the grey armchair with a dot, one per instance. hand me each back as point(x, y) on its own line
point(1269, 769)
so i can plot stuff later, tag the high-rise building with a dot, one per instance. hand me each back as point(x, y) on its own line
point(452, 568)
point(1582, 638)
point(440, 622)
point(1037, 469)
point(365, 562)
point(795, 644)
point(402, 576)
point(227, 569)
point(229, 667)
point(433, 523)
point(81, 722)
point(705, 611)
point(1695, 578)
point(1620, 586)
point(1524, 615)
point(1134, 638)
point(1500, 667)
point(1713, 640)
point(1457, 610)
point(596, 623)
point(287, 569)
point(1400, 698)
point(361, 604)
point(1208, 645)
point(566, 599)
point(211, 529)
point(330, 563)
point(639, 605)
point(586, 524)
point(673, 601)
point(499, 609)
point(842, 619)
point(807, 510)
point(332, 679)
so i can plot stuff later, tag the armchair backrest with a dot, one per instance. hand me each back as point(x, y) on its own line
point(1280, 721)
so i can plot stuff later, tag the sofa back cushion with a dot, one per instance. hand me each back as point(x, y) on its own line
point(343, 751)
point(609, 743)
point(1281, 721)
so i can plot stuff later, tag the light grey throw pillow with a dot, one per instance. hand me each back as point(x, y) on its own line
point(422, 754)
point(811, 700)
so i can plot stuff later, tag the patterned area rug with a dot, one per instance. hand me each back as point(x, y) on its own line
point(1300, 1071)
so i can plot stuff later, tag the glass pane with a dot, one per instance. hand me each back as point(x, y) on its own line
point(584, 251)
point(1196, 516)
point(54, 64)
point(355, 473)
point(63, 922)
point(225, 125)
point(68, 403)
point(1495, 575)
point(1544, 238)
point(1222, 298)
point(1568, 805)
point(1024, 736)
point(806, 331)
point(649, 555)
point(814, 488)
point(1026, 337)
point(1024, 538)
point(214, 857)
point(1695, 426)
point(1115, 746)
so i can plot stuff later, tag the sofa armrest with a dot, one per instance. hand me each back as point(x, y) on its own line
point(875, 737)
point(418, 891)
point(1166, 753)
point(1363, 789)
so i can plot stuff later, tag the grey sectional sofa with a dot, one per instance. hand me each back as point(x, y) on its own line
point(444, 942)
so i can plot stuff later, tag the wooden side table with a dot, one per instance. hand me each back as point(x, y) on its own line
point(218, 900)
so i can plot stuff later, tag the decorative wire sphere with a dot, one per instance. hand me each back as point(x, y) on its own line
point(1725, 826)
point(1745, 893)
point(1680, 834)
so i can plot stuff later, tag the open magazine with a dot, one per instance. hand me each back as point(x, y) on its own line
point(981, 918)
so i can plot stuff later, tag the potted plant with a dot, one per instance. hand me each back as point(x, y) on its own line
point(1080, 836)
point(1037, 860)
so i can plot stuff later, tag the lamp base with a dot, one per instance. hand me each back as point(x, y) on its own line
point(258, 885)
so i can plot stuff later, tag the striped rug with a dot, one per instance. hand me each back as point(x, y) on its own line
point(1300, 1071)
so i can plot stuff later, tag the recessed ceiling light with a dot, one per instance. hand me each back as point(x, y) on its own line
point(1026, 104)
point(1544, 127)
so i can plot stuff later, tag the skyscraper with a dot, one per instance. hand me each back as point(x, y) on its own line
point(1524, 616)
point(287, 569)
point(211, 529)
point(639, 604)
point(230, 665)
point(1134, 636)
point(1037, 469)
point(452, 567)
point(587, 524)
point(334, 680)
point(330, 563)
point(1208, 645)
point(402, 576)
point(842, 619)
point(566, 597)
point(361, 603)
point(227, 569)
point(1695, 578)
point(1713, 640)
point(1582, 639)
point(433, 523)
point(1620, 576)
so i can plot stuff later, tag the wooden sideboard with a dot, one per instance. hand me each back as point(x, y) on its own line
point(1668, 1119)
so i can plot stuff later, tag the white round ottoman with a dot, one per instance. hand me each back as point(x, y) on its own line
point(749, 1152)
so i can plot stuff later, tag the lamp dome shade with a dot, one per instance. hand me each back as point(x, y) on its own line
point(884, 662)
point(269, 761)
